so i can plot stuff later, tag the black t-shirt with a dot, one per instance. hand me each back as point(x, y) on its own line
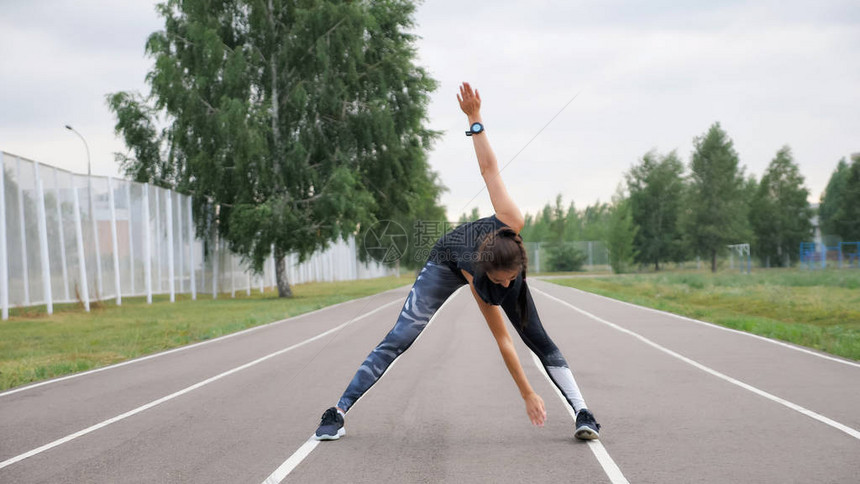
point(458, 249)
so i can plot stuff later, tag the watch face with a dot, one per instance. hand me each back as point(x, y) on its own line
point(477, 128)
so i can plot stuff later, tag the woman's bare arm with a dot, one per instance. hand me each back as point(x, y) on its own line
point(506, 210)
point(534, 404)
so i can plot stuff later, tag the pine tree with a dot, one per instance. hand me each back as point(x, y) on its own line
point(559, 219)
point(715, 214)
point(846, 220)
point(470, 217)
point(831, 199)
point(621, 234)
point(538, 229)
point(780, 214)
point(291, 123)
point(656, 187)
point(595, 221)
point(572, 224)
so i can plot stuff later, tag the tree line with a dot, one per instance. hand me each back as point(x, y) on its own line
point(292, 124)
point(669, 211)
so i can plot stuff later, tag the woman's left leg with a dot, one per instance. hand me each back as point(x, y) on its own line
point(535, 337)
point(431, 289)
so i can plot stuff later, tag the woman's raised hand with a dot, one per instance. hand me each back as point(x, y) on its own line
point(470, 102)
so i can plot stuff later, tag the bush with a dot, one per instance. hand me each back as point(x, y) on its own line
point(564, 258)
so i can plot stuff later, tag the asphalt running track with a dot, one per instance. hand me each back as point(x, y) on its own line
point(679, 401)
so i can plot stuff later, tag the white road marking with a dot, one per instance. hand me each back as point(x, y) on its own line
point(183, 348)
point(613, 472)
point(809, 413)
point(140, 409)
point(299, 455)
point(717, 326)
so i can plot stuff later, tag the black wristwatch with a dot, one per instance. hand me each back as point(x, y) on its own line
point(475, 128)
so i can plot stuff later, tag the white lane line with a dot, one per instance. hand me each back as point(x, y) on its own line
point(183, 348)
point(717, 326)
point(284, 469)
point(613, 472)
point(149, 405)
point(809, 413)
point(299, 455)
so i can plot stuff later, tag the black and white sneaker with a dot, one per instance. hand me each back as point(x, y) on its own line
point(586, 427)
point(331, 426)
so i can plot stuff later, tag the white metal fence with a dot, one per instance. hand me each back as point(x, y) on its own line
point(595, 254)
point(66, 237)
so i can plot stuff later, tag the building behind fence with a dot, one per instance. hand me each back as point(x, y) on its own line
point(66, 237)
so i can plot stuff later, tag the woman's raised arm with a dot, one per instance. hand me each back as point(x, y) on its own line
point(506, 210)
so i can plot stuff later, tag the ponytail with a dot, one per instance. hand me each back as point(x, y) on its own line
point(522, 297)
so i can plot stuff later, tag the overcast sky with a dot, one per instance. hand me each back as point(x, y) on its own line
point(650, 75)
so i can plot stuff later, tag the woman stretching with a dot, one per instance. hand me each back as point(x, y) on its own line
point(487, 254)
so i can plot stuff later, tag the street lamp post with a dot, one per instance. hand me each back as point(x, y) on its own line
point(92, 213)
point(89, 168)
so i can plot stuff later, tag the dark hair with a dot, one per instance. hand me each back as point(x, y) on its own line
point(504, 250)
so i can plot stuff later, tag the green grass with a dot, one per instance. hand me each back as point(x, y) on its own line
point(817, 309)
point(35, 346)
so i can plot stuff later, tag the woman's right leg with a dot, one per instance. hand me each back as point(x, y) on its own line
point(435, 283)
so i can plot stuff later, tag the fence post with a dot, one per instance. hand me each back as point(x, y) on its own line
point(158, 241)
point(191, 253)
point(147, 244)
point(43, 243)
point(115, 242)
point(216, 255)
point(62, 235)
point(352, 250)
point(181, 250)
point(4, 259)
point(168, 202)
point(590, 257)
point(82, 263)
point(232, 275)
point(840, 255)
point(26, 270)
point(94, 223)
point(130, 238)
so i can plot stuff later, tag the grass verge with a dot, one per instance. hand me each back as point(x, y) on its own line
point(817, 309)
point(35, 346)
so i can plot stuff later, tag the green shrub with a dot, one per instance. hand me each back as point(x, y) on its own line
point(565, 258)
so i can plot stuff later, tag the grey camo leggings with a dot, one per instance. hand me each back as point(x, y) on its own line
point(435, 283)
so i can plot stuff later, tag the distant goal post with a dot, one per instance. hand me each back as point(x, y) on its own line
point(743, 251)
